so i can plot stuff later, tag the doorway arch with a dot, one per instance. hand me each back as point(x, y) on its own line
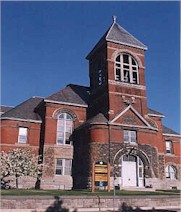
point(138, 161)
point(132, 171)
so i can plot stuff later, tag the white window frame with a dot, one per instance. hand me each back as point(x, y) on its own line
point(170, 172)
point(22, 135)
point(65, 169)
point(121, 66)
point(64, 128)
point(169, 147)
point(130, 136)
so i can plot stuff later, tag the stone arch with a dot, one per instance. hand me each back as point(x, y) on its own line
point(135, 152)
point(126, 51)
point(64, 110)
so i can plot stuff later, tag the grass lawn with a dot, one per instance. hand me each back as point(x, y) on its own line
point(28, 192)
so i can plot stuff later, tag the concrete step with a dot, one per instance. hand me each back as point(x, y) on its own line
point(137, 189)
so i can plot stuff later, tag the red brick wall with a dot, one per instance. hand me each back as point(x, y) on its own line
point(9, 135)
point(51, 121)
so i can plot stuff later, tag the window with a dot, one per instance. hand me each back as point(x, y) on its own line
point(22, 136)
point(129, 136)
point(126, 69)
point(64, 128)
point(140, 168)
point(170, 172)
point(131, 158)
point(100, 81)
point(63, 167)
point(169, 147)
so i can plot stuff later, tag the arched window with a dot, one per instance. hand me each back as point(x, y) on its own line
point(126, 69)
point(170, 172)
point(64, 128)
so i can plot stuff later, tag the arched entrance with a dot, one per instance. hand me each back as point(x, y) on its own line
point(131, 168)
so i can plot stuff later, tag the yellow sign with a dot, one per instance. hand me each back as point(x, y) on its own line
point(100, 168)
point(101, 172)
point(101, 177)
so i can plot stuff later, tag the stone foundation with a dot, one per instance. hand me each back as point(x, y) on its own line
point(87, 203)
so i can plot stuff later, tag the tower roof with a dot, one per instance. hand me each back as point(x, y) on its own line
point(118, 34)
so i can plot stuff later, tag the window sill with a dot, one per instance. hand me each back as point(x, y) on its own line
point(170, 154)
point(64, 145)
point(131, 143)
point(127, 84)
point(21, 144)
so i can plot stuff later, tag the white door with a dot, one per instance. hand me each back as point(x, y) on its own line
point(129, 173)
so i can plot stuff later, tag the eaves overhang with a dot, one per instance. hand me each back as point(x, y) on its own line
point(171, 135)
point(65, 103)
point(20, 119)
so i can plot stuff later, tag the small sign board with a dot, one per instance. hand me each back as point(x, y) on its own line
point(100, 174)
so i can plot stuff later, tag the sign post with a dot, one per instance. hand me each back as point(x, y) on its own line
point(93, 177)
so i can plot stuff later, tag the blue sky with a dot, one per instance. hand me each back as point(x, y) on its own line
point(44, 45)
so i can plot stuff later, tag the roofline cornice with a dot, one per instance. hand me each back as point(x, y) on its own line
point(127, 44)
point(65, 103)
point(171, 135)
point(19, 119)
point(156, 115)
point(136, 126)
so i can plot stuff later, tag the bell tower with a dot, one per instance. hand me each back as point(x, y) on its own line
point(117, 73)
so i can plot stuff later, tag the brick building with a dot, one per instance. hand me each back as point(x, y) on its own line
point(109, 121)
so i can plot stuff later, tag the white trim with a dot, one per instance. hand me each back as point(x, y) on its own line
point(65, 103)
point(172, 135)
point(126, 44)
point(135, 126)
point(121, 94)
point(18, 119)
point(113, 48)
point(127, 51)
point(113, 82)
point(98, 123)
point(120, 114)
point(130, 107)
point(156, 115)
point(63, 167)
point(62, 122)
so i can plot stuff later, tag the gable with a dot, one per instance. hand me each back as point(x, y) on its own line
point(130, 117)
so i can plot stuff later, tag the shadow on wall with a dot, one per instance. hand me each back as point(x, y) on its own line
point(125, 208)
point(56, 206)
